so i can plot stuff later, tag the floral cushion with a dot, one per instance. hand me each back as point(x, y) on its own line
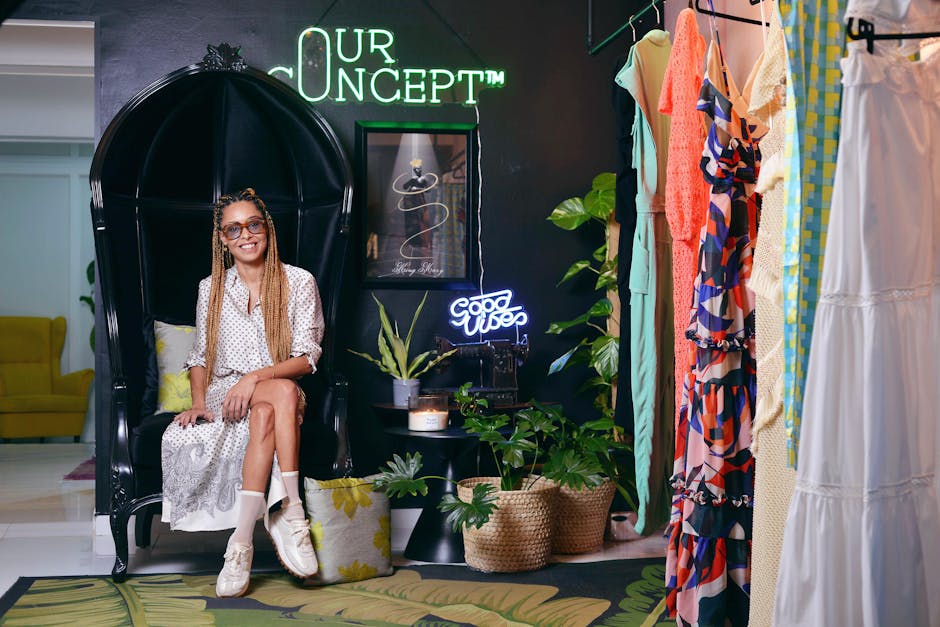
point(173, 343)
point(351, 529)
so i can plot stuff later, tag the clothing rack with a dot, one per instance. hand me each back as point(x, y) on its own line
point(592, 49)
point(866, 31)
point(728, 16)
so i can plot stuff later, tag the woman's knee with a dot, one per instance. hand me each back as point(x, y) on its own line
point(261, 420)
point(282, 392)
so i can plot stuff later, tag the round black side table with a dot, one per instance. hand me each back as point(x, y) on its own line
point(432, 539)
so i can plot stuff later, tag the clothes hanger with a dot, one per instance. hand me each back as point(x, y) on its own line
point(866, 31)
point(593, 50)
point(728, 16)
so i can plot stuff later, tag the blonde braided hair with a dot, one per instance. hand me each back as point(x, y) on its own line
point(274, 288)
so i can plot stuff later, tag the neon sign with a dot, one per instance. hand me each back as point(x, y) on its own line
point(352, 66)
point(486, 312)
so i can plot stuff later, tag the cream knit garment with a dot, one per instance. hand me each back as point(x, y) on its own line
point(773, 482)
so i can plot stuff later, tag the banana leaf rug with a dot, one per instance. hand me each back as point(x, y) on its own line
point(618, 593)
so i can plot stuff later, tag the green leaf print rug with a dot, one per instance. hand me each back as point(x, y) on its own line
point(618, 593)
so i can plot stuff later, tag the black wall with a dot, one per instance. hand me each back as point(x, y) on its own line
point(544, 136)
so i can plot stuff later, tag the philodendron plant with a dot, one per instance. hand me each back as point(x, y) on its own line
point(518, 443)
point(597, 347)
point(394, 351)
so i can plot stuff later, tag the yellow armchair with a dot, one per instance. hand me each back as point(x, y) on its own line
point(36, 400)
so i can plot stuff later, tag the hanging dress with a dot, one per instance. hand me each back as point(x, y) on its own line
point(814, 36)
point(773, 478)
point(651, 308)
point(686, 190)
point(708, 551)
point(862, 538)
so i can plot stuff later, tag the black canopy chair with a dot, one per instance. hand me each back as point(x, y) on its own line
point(202, 131)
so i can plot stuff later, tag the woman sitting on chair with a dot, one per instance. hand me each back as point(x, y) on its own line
point(259, 326)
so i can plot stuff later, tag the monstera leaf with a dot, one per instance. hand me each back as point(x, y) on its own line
point(405, 598)
point(149, 600)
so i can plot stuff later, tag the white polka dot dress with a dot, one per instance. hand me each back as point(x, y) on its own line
point(202, 464)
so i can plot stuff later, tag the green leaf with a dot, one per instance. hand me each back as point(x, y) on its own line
point(572, 469)
point(398, 477)
point(601, 308)
point(605, 356)
point(557, 327)
point(388, 360)
point(607, 280)
point(432, 363)
point(605, 182)
point(90, 273)
point(562, 362)
point(375, 361)
point(601, 253)
point(599, 204)
point(575, 268)
point(570, 214)
point(473, 514)
point(411, 329)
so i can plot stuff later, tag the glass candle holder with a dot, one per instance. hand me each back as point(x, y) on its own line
point(427, 412)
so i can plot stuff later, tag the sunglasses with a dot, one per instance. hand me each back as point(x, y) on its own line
point(233, 230)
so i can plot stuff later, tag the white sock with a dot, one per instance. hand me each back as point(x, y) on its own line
point(249, 506)
point(294, 508)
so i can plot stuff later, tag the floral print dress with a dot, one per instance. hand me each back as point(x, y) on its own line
point(708, 553)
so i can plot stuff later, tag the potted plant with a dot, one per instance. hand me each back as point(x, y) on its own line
point(582, 459)
point(598, 347)
point(506, 520)
point(394, 357)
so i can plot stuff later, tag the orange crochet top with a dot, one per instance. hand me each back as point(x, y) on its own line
point(686, 189)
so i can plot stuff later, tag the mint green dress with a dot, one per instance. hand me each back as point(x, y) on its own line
point(651, 301)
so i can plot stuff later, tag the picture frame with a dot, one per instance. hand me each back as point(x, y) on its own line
point(417, 186)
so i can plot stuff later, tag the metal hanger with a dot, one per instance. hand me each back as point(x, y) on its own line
point(728, 16)
point(866, 31)
point(594, 49)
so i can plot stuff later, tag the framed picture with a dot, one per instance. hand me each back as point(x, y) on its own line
point(417, 189)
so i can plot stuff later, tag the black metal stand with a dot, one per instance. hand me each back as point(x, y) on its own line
point(432, 539)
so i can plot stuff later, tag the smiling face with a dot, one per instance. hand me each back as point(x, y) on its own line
point(247, 247)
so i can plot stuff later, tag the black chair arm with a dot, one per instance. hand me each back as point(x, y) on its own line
point(342, 463)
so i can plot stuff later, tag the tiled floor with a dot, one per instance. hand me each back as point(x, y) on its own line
point(47, 525)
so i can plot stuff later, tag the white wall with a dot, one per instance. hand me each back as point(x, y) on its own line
point(46, 238)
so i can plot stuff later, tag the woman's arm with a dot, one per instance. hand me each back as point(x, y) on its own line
point(197, 384)
point(236, 403)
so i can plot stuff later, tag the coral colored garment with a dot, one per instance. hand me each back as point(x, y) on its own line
point(708, 554)
point(686, 191)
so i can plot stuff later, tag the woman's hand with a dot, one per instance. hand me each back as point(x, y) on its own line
point(190, 416)
point(236, 403)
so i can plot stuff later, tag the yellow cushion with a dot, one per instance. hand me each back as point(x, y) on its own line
point(173, 345)
point(3, 386)
point(38, 403)
point(350, 529)
point(29, 352)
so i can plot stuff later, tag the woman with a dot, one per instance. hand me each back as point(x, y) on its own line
point(259, 326)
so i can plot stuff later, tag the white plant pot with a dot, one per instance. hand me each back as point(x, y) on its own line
point(402, 389)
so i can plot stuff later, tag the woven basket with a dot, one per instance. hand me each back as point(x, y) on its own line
point(518, 536)
point(580, 518)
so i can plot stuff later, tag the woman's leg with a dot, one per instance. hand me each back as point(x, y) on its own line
point(281, 394)
point(288, 527)
point(256, 468)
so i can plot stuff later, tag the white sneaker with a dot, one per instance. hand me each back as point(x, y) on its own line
point(233, 580)
point(291, 538)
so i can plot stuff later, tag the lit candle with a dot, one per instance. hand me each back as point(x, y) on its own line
point(427, 420)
